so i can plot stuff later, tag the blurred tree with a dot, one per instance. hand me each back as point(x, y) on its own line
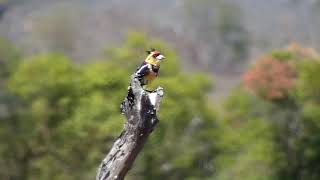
point(9, 57)
point(247, 141)
point(67, 114)
point(271, 78)
point(285, 91)
point(182, 146)
point(309, 100)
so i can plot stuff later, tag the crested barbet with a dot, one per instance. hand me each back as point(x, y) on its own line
point(145, 73)
point(149, 69)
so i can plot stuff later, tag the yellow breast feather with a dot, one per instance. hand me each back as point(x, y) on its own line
point(152, 60)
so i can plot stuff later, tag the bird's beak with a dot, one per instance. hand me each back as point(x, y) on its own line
point(160, 57)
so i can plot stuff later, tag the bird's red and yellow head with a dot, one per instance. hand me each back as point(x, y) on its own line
point(154, 57)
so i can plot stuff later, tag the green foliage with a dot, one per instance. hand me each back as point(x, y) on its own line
point(43, 75)
point(181, 128)
point(294, 122)
point(309, 85)
point(310, 140)
point(309, 100)
point(282, 55)
point(68, 112)
point(68, 116)
point(246, 140)
point(58, 119)
point(184, 114)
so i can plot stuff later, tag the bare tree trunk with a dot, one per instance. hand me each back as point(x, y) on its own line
point(141, 120)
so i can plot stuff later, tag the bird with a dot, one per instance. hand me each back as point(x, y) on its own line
point(145, 74)
point(150, 67)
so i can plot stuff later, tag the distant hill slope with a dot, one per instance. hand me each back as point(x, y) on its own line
point(214, 36)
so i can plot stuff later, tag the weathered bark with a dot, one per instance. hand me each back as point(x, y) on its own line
point(141, 120)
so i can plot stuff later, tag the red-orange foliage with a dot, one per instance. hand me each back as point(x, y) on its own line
point(270, 78)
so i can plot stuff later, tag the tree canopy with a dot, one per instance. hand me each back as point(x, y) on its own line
point(59, 118)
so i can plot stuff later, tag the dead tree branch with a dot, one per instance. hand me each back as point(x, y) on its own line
point(141, 120)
